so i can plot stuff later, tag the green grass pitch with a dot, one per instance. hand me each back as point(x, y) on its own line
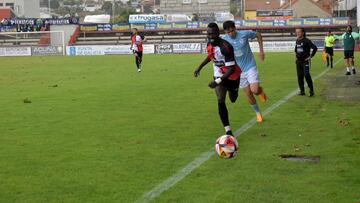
point(93, 129)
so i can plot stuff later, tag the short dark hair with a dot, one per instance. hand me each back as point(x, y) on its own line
point(350, 28)
point(214, 26)
point(228, 24)
point(302, 30)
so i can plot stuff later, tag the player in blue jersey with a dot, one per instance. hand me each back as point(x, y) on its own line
point(249, 79)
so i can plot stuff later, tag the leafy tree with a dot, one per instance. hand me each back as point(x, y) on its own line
point(107, 7)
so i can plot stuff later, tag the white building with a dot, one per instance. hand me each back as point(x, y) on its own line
point(23, 8)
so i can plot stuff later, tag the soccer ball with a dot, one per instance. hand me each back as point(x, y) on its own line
point(226, 146)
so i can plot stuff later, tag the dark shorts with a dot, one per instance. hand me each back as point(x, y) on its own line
point(329, 50)
point(231, 85)
point(348, 54)
point(139, 53)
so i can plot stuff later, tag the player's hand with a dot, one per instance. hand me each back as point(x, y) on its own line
point(135, 54)
point(262, 55)
point(213, 84)
point(197, 73)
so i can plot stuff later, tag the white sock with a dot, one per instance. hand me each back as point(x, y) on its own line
point(347, 69)
point(227, 128)
point(352, 68)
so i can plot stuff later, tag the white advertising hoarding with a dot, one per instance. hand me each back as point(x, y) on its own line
point(104, 50)
point(187, 48)
point(284, 46)
point(15, 51)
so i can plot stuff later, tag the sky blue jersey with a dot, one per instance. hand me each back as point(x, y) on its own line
point(243, 54)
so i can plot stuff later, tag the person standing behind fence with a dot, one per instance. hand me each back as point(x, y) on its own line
point(329, 48)
point(303, 60)
point(137, 48)
point(349, 45)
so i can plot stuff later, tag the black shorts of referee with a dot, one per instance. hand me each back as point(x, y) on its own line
point(329, 50)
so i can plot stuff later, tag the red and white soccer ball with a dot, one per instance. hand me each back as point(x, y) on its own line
point(226, 146)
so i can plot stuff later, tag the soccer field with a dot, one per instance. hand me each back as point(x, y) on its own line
point(93, 129)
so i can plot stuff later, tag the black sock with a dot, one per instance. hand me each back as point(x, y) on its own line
point(327, 61)
point(331, 61)
point(223, 112)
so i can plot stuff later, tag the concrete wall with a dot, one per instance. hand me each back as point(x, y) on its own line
point(306, 8)
point(180, 6)
point(32, 8)
point(250, 15)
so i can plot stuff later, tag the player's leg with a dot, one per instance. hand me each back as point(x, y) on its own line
point(245, 85)
point(253, 104)
point(331, 57)
point(352, 63)
point(300, 77)
point(307, 66)
point(140, 55)
point(137, 60)
point(327, 56)
point(253, 79)
point(347, 62)
point(220, 91)
point(233, 89)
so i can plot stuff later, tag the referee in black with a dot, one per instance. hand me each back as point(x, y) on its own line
point(303, 60)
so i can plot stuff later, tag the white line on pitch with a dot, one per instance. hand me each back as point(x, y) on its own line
point(172, 180)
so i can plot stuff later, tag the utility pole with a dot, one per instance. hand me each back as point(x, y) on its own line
point(244, 9)
point(49, 8)
point(346, 9)
point(113, 11)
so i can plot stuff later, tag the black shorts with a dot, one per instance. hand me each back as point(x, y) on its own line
point(329, 50)
point(139, 53)
point(348, 54)
point(231, 85)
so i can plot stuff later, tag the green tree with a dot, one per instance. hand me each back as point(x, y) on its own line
point(122, 14)
point(107, 7)
point(54, 4)
point(235, 9)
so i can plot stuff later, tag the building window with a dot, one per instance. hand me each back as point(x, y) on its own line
point(186, 1)
point(11, 5)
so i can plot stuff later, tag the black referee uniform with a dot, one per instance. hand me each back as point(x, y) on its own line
point(303, 63)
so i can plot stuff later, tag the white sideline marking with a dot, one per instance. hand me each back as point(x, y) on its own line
point(172, 180)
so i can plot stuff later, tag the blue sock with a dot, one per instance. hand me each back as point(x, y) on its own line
point(256, 108)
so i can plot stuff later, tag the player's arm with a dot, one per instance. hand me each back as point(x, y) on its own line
point(261, 45)
point(217, 81)
point(355, 35)
point(339, 37)
point(313, 47)
point(197, 71)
